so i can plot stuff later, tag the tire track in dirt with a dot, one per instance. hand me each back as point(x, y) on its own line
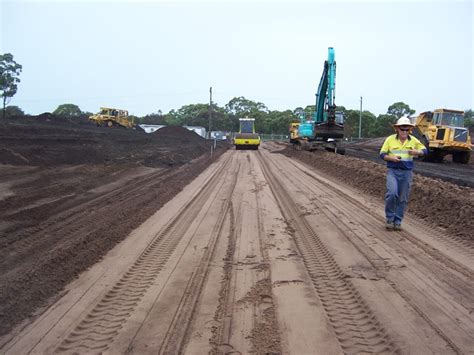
point(230, 315)
point(221, 332)
point(179, 331)
point(460, 245)
point(266, 334)
point(354, 324)
point(102, 324)
point(69, 240)
point(454, 279)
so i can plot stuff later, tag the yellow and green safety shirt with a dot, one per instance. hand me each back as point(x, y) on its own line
point(394, 147)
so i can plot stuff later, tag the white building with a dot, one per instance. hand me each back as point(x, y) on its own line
point(150, 128)
point(198, 129)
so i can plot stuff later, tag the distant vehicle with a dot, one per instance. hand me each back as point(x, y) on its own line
point(219, 135)
point(294, 132)
point(247, 138)
point(442, 132)
point(113, 117)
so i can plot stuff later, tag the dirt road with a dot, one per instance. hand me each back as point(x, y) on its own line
point(263, 254)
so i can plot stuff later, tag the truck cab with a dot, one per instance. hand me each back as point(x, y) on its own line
point(443, 133)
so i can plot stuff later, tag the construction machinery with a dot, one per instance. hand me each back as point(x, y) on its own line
point(113, 117)
point(294, 131)
point(442, 131)
point(325, 126)
point(246, 138)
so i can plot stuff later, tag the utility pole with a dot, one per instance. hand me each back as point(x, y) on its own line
point(210, 110)
point(360, 118)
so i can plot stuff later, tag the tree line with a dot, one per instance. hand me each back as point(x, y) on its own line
point(225, 118)
point(266, 121)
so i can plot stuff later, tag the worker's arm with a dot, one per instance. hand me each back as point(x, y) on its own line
point(419, 150)
point(384, 152)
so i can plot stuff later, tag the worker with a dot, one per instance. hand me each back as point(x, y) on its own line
point(398, 151)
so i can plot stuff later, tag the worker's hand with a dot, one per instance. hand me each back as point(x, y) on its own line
point(414, 152)
point(394, 158)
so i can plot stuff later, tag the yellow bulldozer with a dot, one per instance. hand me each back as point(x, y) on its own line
point(443, 133)
point(113, 117)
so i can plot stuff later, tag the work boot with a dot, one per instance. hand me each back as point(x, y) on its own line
point(397, 227)
point(389, 226)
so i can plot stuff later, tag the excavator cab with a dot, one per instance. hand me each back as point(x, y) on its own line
point(339, 119)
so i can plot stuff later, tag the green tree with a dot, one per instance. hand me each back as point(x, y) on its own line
point(309, 111)
point(351, 123)
point(68, 110)
point(278, 122)
point(398, 109)
point(11, 111)
point(368, 123)
point(9, 78)
point(153, 118)
point(240, 107)
point(384, 125)
point(190, 115)
point(220, 119)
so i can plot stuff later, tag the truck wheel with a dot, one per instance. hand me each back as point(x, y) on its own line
point(438, 156)
point(461, 157)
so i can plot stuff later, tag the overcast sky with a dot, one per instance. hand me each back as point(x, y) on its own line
point(146, 56)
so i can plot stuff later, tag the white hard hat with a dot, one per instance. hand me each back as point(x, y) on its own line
point(404, 121)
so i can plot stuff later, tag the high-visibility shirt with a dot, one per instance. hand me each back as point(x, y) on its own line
point(394, 147)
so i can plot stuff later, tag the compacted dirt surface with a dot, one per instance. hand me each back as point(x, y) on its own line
point(150, 244)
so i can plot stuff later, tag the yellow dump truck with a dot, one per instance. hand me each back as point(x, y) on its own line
point(113, 117)
point(246, 138)
point(442, 131)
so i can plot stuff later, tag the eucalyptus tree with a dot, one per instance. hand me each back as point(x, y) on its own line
point(12, 111)
point(9, 78)
point(68, 110)
point(398, 109)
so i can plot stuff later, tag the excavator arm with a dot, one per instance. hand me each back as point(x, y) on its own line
point(326, 125)
point(326, 94)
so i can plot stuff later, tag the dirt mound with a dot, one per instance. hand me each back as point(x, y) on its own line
point(49, 140)
point(69, 191)
point(440, 203)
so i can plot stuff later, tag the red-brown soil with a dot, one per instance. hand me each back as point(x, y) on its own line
point(439, 203)
point(69, 191)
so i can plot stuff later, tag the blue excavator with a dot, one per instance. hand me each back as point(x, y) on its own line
point(325, 127)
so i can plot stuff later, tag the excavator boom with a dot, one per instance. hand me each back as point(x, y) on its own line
point(326, 126)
